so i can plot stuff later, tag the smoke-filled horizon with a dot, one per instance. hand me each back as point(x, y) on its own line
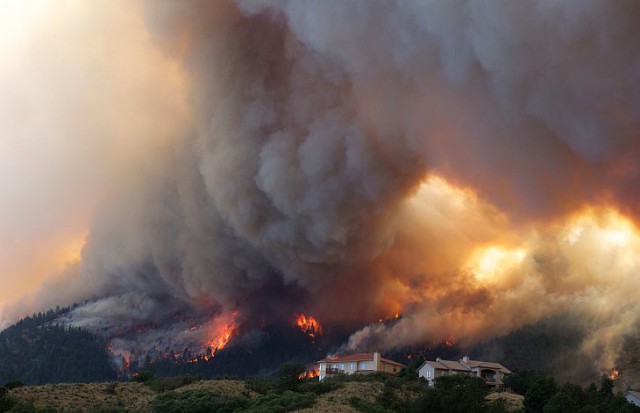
point(469, 164)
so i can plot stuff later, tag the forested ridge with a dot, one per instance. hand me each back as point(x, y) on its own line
point(36, 350)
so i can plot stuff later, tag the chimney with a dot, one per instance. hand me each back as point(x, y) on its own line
point(465, 359)
point(376, 361)
point(438, 359)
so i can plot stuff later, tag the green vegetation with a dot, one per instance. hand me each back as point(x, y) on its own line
point(36, 351)
point(205, 401)
point(162, 384)
point(285, 391)
point(543, 395)
point(456, 393)
point(198, 401)
point(6, 403)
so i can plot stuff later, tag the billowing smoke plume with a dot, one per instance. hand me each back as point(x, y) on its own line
point(469, 164)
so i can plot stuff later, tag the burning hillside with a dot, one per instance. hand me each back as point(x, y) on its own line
point(309, 325)
point(469, 165)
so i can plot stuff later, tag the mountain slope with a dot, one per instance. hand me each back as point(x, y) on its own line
point(36, 351)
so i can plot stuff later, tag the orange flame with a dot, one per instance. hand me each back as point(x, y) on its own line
point(614, 374)
point(309, 374)
point(450, 341)
point(223, 334)
point(309, 325)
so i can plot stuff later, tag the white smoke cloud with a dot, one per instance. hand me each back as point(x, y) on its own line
point(89, 106)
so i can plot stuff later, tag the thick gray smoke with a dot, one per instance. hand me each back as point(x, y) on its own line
point(353, 159)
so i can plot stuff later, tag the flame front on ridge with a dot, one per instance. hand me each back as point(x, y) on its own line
point(309, 325)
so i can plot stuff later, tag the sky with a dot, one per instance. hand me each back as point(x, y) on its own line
point(469, 164)
point(86, 96)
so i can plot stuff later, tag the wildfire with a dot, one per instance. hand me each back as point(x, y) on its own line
point(222, 334)
point(614, 374)
point(310, 374)
point(394, 316)
point(450, 341)
point(489, 263)
point(309, 325)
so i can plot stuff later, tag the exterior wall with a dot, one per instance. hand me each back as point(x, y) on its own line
point(376, 362)
point(352, 367)
point(343, 367)
point(430, 373)
point(365, 365)
point(389, 368)
point(322, 371)
point(440, 373)
point(332, 368)
point(499, 376)
point(632, 398)
point(422, 372)
point(492, 375)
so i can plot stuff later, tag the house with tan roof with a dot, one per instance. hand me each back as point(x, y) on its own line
point(492, 373)
point(362, 363)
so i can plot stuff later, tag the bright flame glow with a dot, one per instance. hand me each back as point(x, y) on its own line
point(223, 333)
point(310, 374)
point(612, 228)
point(450, 341)
point(309, 325)
point(489, 263)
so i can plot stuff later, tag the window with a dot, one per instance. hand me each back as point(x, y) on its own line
point(352, 366)
point(364, 366)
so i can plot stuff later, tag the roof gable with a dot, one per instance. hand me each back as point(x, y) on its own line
point(486, 365)
point(464, 365)
point(358, 357)
point(434, 364)
point(350, 357)
point(454, 365)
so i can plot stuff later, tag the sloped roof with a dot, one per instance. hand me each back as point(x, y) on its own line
point(434, 364)
point(633, 393)
point(487, 365)
point(395, 363)
point(461, 365)
point(358, 357)
point(454, 365)
point(350, 357)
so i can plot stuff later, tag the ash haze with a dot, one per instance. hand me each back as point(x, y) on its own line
point(470, 164)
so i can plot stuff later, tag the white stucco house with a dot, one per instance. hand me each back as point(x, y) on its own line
point(633, 397)
point(361, 363)
point(492, 373)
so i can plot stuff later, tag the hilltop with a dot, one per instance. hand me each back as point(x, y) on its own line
point(36, 350)
point(137, 397)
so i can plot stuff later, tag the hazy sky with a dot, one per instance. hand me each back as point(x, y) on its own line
point(85, 98)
